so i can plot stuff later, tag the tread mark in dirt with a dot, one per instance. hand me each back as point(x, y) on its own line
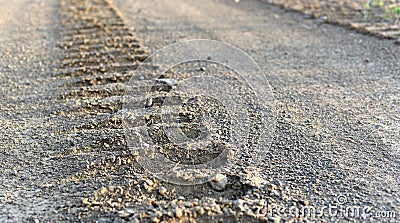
point(99, 55)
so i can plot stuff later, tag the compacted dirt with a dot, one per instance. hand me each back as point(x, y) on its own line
point(64, 69)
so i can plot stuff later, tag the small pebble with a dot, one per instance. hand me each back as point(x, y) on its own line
point(149, 182)
point(257, 181)
point(219, 182)
point(178, 212)
point(274, 193)
point(124, 214)
point(103, 190)
point(162, 190)
point(155, 219)
point(304, 202)
point(170, 82)
point(149, 102)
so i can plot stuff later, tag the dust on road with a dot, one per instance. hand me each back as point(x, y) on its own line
point(63, 152)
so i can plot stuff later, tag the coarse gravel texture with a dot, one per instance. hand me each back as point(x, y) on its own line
point(64, 68)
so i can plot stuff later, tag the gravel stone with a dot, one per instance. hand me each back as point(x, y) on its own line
point(178, 212)
point(219, 182)
point(162, 190)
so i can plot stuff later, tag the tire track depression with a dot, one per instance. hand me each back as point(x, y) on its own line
point(99, 55)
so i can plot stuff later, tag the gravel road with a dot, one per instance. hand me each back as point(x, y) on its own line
point(64, 67)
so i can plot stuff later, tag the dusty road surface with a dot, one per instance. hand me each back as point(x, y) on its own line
point(65, 65)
